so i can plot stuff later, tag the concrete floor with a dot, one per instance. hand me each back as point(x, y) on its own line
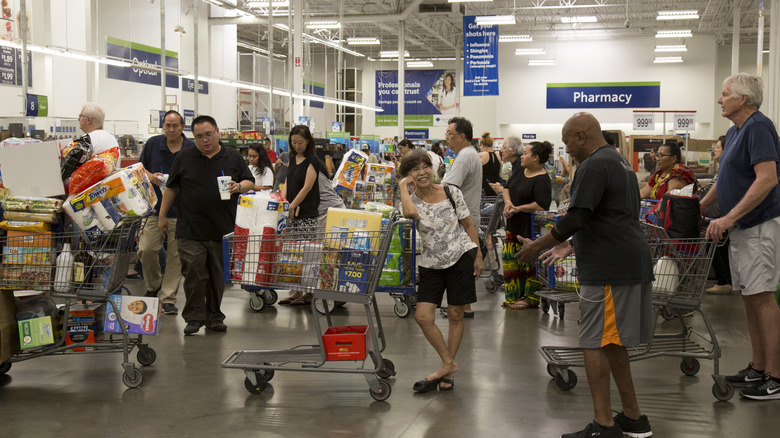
point(502, 388)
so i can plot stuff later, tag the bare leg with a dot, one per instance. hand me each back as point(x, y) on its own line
point(763, 317)
point(620, 368)
point(425, 318)
point(597, 370)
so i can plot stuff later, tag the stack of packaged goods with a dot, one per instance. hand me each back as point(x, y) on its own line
point(260, 220)
point(348, 175)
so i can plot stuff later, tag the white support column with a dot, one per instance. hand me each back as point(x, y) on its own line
point(771, 107)
point(162, 55)
point(401, 78)
point(735, 41)
point(270, 71)
point(195, 55)
point(760, 42)
point(297, 81)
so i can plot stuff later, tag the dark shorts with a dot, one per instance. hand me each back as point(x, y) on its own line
point(458, 280)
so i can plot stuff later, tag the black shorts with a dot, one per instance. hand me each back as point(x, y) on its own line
point(458, 280)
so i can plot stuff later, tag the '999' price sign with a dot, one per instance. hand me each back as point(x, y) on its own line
point(684, 122)
point(644, 122)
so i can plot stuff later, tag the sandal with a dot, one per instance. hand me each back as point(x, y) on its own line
point(523, 304)
point(447, 381)
point(426, 385)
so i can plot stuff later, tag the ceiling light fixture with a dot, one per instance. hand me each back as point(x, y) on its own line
point(67, 53)
point(673, 34)
point(538, 62)
point(419, 64)
point(678, 48)
point(392, 54)
point(258, 50)
point(514, 38)
point(677, 15)
point(582, 19)
point(530, 51)
point(266, 4)
point(490, 20)
point(362, 41)
point(667, 59)
point(323, 25)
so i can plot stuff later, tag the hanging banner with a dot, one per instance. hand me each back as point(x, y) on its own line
point(422, 95)
point(11, 66)
point(144, 54)
point(188, 84)
point(317, 89)
point(416, 133)
point(37, 105)
point(604, 95)
point(480, 58)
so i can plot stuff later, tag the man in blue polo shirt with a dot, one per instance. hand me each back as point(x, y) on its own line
point(203, 219)
point(749, 199)
point(157, 157)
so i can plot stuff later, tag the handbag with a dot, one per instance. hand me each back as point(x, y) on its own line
point(680, 216)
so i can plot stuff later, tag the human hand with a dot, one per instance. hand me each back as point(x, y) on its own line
point(528, 253)
point(508, 207)
point(408, 184)
point(497, 187)
point(558, 252)
point(156, 179)
point(478, 266)
point(718, 227)
point(162, 224)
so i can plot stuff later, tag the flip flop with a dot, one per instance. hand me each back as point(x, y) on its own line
point(450, 382)
point(426, 385)
point(287, 300)
point(299, 302)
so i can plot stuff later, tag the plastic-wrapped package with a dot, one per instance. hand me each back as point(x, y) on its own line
point(49, 218)
point(348, 172)
point(74, 155)
point(33, 227)
point(32, 204)
point(91, 172)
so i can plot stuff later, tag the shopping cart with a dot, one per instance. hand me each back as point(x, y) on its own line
point(559, 281)
point(680, 268)
point(405, 293)
point(103, 263)
point(336, 266)
point(490, 223)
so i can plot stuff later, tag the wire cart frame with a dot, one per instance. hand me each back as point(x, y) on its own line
point(681, 267)
point(491, 221)
point(341, 266)
point(108, 257)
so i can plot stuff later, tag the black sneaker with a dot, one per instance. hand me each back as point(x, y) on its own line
point(748, 376)
point(769, 389)
point(192, 327)
point(218, 326)
point(639, 428)
point(170, 309)
point(596, 430)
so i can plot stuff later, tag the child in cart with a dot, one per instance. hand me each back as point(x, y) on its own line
point(450, 259)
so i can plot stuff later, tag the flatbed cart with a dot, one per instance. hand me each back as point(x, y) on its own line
point(341, 266)
point(680, 268)
point(490, 222)
point(105, 262)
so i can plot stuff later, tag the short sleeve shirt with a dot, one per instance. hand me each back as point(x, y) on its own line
point(156, 157)
point(443, 238)
point(103, 141)
point(203, 215)
point(524, 190)
point(610, 248)
point(466, 174)
point(755, 142)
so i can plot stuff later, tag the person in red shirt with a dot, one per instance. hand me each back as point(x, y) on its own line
point(270, 150)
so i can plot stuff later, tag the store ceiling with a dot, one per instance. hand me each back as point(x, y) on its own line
point(439, 33)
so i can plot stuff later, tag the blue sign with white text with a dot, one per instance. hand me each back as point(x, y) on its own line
point(604, 95)
point(416, 134)
point(188, 84)
point(116, 48)
point(480, 58)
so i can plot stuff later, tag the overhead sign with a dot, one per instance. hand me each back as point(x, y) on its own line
point(143, 54)
point(317, 89)
point(416, 133)
point(188, 84)
point(37, 105)
point(604, 95)
point(480, 58)
point(684, 121)
point(11, 66)
point(419, 109)
point(189, 116)
point(644, 121)
point(529, 136)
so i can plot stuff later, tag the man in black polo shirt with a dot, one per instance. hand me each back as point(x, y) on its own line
point(203, 219)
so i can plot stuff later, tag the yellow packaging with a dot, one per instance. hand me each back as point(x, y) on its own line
point(342, 220)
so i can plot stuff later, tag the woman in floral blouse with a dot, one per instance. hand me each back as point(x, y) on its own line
point(450, 260)
point(671, 174)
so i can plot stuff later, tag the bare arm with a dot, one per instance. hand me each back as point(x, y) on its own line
point(709, 198)
point(675, 183)
point(468, 225)
point(169, 194)
point(645, 192)
point(528, 208)
point(407, 206)
point(311, 179)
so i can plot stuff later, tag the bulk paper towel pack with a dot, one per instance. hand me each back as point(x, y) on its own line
point(124, 194)
point(260, 220)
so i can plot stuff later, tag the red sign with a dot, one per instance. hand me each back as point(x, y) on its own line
point(297, 61)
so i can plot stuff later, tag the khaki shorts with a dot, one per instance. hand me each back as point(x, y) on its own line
point(754, 256)
point(620, 315)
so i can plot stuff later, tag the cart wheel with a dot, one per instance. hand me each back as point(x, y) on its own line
point(545, 306)
point(256, 302)
point(690, 366)
point(551, 370)
point(387, 364)
point(340, 303)
point(268, 374)
point(146, 356)
point(722, 395)
point(569, 382)
point(4, 367)
point(269, 297)
point(255, 389)
point(383, 393)
point(668, 313)
point(561, 310)
point(135, 380)
point(401, 309)
point(491, 286)
point(320, 306)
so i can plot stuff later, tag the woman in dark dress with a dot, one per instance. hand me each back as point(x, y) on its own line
point(529, 189)
point(491, 164)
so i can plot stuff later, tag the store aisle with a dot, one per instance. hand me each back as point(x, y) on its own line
point(502, 389)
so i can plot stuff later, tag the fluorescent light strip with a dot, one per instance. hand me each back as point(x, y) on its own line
point(677, 15)
point(419, 64)
point(530, 51)
point(679, 48)
point(323, 25)
point(582, 19)
point(392, 54)
point(362, 41)
point(266, 4)
point(334, 45)
point(667, 59)
point(673, 34)
point(66, 53)
point(538, 62)
point(514, 38)
point(259, 50)
point(489, 20)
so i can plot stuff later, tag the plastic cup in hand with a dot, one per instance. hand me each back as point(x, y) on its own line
point(163, 181)
point(224, 191)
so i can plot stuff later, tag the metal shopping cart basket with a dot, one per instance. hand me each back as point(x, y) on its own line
point(100, 266)
point(336, 266)
point(559, 281)
point(399, 270)
point(680, 268)
point(490, 223)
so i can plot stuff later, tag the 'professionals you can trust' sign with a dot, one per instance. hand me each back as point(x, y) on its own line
point(604, 95)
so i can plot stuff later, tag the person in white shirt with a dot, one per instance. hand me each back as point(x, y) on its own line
point(261, 168)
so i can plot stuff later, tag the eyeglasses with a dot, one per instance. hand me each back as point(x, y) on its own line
point(205, 136)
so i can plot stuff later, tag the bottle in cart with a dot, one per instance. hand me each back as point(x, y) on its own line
point(64, 271)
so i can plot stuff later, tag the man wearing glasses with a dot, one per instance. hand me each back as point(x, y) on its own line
point(203, 218)
point(465, 172)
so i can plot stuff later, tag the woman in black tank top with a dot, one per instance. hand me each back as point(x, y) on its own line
point(491, 164)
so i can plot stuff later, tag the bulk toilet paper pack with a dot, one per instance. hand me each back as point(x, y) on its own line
point(260, 220)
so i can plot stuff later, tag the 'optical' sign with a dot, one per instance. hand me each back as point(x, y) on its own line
point(604, 95)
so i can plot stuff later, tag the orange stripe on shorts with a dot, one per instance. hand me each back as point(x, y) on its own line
point(610, 333)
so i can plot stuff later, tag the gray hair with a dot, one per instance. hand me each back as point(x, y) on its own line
point(94, 111)
point(515, 145)
point(750, 86)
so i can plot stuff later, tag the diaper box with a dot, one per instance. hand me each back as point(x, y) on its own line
point(140, 314)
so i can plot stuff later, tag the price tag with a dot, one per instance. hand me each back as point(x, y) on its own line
point(684, 122)
point(644, 121)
